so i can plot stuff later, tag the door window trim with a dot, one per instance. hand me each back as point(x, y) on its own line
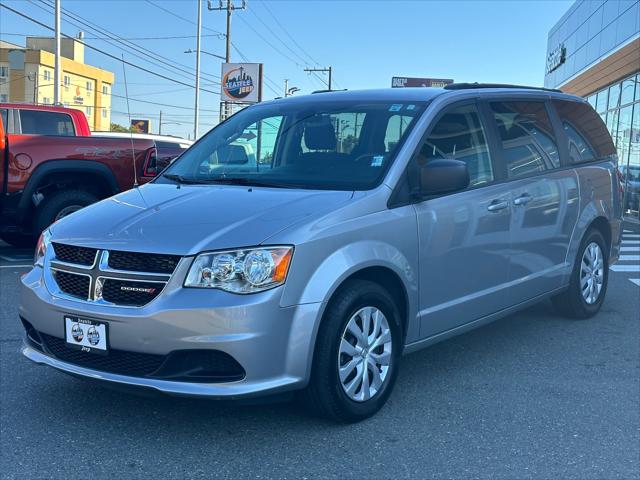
point(402, 194)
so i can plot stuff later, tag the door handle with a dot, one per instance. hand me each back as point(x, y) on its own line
point(497, 205)
point(522, 199)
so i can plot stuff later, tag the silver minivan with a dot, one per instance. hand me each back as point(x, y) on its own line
point(372, 224)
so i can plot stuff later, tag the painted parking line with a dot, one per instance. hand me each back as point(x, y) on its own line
point(630, 249)
point(629, 235)
point(630, 242)
point(635, 280)
point(625, 268)
point(629, 258)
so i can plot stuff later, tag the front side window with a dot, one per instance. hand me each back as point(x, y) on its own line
point(526, 136)
point(586, 132)
point(38, 122)
point(337, 145)
point(459, 135)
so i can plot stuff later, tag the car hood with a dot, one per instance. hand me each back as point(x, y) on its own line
point(188, 219)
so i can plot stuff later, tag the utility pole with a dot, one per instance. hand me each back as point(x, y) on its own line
point(328, 70)
point(286, 87)
point(160, 124)
point(229, 7)
point(56, 69)
point(196, 119)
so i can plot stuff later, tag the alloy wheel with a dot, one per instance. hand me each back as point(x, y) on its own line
point(592, 273)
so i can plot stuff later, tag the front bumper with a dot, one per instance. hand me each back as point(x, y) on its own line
point(274, 345)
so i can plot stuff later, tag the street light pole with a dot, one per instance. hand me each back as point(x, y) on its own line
point(56, 70)
point(196, 119)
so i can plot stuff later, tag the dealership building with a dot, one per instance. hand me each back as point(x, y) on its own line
point(594, 51)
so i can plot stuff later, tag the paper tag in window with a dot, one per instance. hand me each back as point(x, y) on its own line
point(377, 161)
point(411, 107)
point(396, 107)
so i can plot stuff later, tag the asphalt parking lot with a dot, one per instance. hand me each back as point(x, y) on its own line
point(530, 396)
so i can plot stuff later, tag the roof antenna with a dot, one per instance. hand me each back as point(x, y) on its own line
point(133, 153)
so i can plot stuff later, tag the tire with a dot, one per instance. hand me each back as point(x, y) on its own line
point(19, 240)
point(325, 395)
point(572, 302)
point(58, 203)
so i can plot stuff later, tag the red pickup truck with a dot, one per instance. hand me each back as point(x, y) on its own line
point(57, 168)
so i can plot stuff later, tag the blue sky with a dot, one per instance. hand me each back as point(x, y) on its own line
point(366, 43)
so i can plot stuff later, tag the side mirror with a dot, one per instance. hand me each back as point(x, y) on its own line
point(443, 175)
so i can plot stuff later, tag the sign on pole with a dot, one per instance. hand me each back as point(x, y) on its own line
point(141, 126)
point(241, 82)
point(401, 82)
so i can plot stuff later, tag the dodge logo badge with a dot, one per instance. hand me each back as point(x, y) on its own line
point(150, 291)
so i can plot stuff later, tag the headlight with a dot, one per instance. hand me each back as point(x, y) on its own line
point(241, 271)
point(41, 249)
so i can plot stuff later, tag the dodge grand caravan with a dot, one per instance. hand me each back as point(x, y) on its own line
point(371, 224)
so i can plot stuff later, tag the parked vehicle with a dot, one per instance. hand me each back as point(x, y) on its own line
point(372, 224)
point(27, 119)
point(49, 174)
point(631, 183)
point(168, 147)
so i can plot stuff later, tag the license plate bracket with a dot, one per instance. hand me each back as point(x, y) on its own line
point(87, 335)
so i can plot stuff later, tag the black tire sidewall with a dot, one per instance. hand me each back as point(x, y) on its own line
point(364, 294)
point(589, 310)
point(49, 209)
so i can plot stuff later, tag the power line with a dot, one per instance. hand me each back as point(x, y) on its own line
point(293, 40)
point(114, 57)
point(145, 53)
point(90, 37)
point(166, 10)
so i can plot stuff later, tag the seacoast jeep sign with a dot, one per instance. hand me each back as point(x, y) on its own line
point(241, 82)
point(556, 57)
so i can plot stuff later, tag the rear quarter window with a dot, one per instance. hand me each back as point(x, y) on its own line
point(41, 122)
point(587, 135)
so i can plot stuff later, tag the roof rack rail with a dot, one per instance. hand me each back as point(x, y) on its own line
point(469, 86)
point(327, 91)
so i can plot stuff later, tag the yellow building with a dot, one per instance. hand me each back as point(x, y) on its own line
point(26, 76)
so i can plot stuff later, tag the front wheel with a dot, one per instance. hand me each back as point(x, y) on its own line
point(357, 353)
point(60, 204)
point(589, 279)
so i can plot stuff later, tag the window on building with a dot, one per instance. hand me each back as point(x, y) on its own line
point(601, 101)
point(614, 96)
point(105, 90)
point(89, 86)
point(38, 122)
point(629, 87)
point(46, 75)
point(67, 81)
point(4, 71)
point(47, 100)
point(88, 111)
point(527, 138)
point(104, 113)
point(585, 130)
point(459, 135)
point(4, 97)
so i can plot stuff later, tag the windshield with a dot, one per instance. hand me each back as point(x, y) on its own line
point(313, 145)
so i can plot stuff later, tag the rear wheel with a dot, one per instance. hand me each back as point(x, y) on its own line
point(60, 204)
point(589, 279)
point(357, 354)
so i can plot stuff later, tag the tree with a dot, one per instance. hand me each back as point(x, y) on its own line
point(115, 127)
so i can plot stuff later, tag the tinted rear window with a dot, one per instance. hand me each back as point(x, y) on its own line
point(40, 122)
point(169, 145)
point(527, 138)
point(587, 135)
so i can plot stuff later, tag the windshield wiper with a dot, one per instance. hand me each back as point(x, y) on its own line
point(180, 179)
point(247, 182)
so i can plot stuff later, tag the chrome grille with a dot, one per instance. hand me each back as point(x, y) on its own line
point(73, 254)
point(129, 279)
point(143, 262)
point(72, 284)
